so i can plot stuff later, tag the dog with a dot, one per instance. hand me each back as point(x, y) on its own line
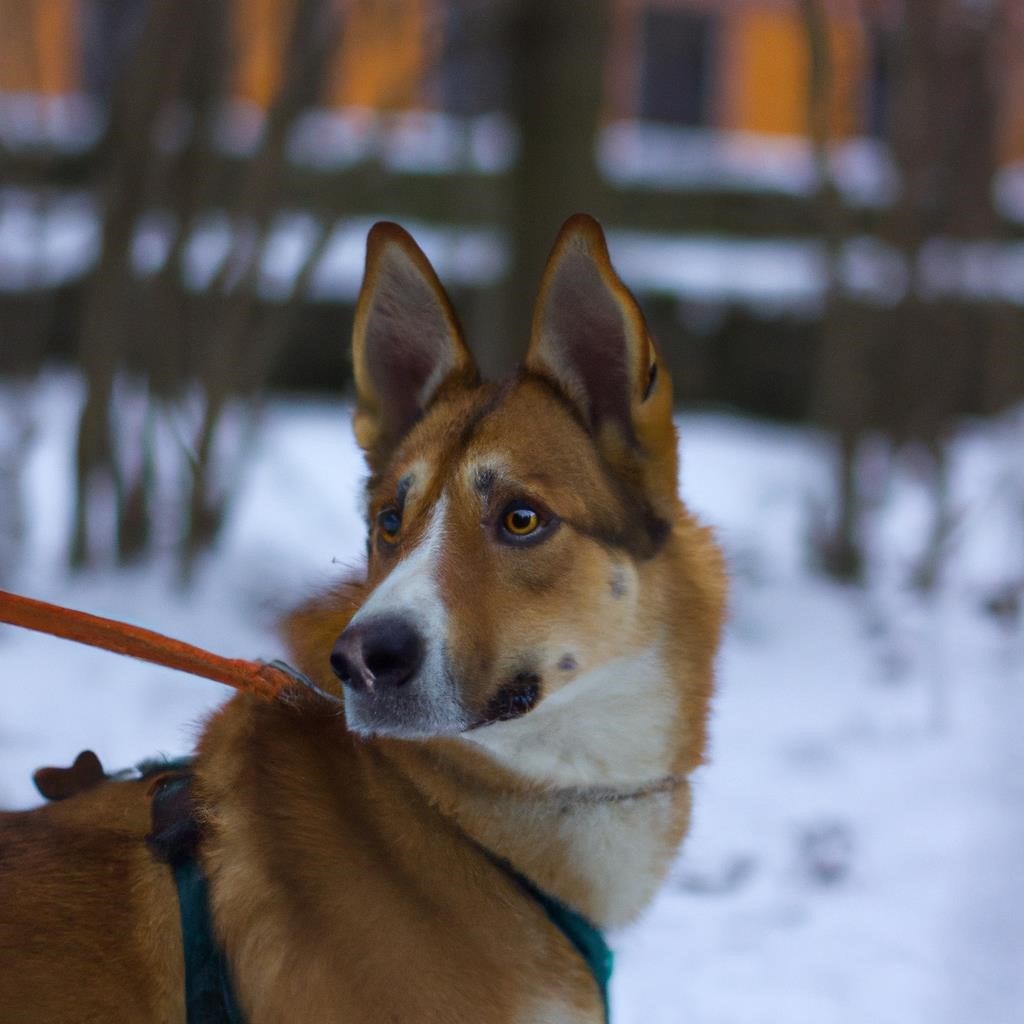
point(507, 708)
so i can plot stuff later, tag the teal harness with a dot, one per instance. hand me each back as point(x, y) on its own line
point(209, 996)
point(581, 932)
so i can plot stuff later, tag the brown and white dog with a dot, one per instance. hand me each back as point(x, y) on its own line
point(526, 670)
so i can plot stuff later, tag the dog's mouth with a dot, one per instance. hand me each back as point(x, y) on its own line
point(414, 712)
point(513, 700)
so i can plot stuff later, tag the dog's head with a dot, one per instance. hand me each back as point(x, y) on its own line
point(515, 528)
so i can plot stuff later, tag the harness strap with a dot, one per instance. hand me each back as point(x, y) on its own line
point(209, 995)
point(582, 933)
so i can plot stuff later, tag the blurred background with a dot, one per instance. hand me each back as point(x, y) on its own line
point(820, 205)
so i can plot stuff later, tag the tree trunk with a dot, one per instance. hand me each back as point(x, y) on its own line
point(559, 52)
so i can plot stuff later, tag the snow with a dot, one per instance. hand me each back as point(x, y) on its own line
point(415, 141)
point(51, 237)
point(48, 237)
point(639, 153)
point(69, 124)
point(460, 255)
point(857, 855)
point(1008, 191)
point(409, 141)
point(630, 152)
point(775, 275)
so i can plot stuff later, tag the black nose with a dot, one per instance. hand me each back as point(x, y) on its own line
point(380, 653)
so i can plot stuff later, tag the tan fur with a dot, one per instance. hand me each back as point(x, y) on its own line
point(348, 874)
point(89, 926)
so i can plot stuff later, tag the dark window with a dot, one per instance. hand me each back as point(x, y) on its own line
point(677, 67)
point(110, 31)
point(879, 84)
point(473, 68)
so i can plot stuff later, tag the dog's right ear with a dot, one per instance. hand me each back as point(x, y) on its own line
point(406, 346)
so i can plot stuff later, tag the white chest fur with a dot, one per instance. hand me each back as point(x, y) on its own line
point(611, 727)
point(606, 817)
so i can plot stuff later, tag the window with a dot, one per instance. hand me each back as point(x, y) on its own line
point(879, 84)
point(677, 67)
point(110, 32)
point(473, 63)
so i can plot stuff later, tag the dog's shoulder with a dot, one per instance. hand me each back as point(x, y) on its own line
point(315, 839)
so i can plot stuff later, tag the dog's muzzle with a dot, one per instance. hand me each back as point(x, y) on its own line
point(395, 683)
point(379, 654)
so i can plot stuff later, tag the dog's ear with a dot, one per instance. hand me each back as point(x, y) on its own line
point(590, 340)
point(406, 345)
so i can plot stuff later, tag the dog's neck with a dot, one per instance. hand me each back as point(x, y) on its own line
point(584, 795)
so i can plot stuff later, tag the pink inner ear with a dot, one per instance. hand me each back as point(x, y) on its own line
point(409, 346)
point(586, 341)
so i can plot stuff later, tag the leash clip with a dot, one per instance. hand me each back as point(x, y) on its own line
point(303, 680)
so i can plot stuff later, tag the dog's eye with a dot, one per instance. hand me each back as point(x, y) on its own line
point(389, 524)
point(521, 521)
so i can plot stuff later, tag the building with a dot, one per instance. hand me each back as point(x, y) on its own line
point(723, 65)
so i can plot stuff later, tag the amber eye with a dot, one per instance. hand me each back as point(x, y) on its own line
point(521, 521)
point(389, 524)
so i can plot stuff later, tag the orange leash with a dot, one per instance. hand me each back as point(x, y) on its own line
point(264, 679)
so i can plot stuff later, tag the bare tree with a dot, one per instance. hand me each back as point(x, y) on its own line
point(556, 92)
point(163, 155)
point(233, 338)
point(144, 90)
point(906, 372)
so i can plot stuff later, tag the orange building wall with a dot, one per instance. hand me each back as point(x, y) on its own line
point(380, 62)
point(764, 73)
point(848, 53)
point(761, 60)
point(58, 35)
point(386, 46)
point(39, 46)
point(1012, 122)
point(260, 32)
point(383, 55)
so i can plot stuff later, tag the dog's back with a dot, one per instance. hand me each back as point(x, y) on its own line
point(89, 927)
point(339, 892)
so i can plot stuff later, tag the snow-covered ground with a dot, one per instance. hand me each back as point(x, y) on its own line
point(858, 846)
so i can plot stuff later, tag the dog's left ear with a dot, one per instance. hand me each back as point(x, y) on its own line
point(590, 340)
point(406, 344)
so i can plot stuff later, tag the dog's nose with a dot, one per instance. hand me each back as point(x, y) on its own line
point(381, 653)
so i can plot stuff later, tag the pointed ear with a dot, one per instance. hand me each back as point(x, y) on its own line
point(590, 340)
point(406, 345)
